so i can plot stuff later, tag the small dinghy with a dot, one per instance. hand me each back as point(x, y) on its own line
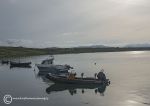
point(71, 79)
point(5, 62)
point(19, 64)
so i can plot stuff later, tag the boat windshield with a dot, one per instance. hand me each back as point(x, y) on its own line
point(48, 61)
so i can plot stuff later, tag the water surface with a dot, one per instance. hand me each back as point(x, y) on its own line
point(128, 71)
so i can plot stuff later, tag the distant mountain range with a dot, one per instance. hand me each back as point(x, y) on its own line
point(103, 46)
point(93, 46)
point(138, 45)
point(146, 45)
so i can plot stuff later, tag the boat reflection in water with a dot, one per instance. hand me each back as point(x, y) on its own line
point(42, 76)
point(73, 88)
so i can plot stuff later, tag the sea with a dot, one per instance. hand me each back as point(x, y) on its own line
point(128, 72)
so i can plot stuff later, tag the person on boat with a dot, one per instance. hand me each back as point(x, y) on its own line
point(72, 76)
point(101, 76)
point(82, 74)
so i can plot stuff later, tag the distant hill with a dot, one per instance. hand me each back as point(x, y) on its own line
point(22, 51)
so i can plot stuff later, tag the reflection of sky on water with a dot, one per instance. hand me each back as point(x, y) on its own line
point(129, 80)
point(136, 52)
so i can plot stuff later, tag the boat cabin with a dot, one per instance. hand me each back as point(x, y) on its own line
point(48, 61)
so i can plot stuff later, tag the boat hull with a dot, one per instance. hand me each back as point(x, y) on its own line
point(14, 64)
point(53, 69)
point(80, 81)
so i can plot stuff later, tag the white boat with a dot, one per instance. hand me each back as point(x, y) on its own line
point(47, 66)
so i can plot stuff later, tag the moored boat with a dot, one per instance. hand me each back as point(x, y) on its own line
point(20, 64)
point(47, 66)
point(76, 80)
point(5, 62)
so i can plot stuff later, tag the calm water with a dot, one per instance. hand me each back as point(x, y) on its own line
point(129, 73)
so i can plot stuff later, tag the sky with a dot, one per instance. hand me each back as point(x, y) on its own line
point(67, 23)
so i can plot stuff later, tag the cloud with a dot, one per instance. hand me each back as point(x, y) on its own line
point(81, 21)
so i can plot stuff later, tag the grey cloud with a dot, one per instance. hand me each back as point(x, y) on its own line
point(74, 22)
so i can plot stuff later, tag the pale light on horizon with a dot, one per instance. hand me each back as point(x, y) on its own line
point(128, 2)
point(137, 52)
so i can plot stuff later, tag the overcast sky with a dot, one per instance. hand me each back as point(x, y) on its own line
point(47, 23)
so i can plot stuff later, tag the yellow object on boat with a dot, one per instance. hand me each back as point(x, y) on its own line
point(71, 76)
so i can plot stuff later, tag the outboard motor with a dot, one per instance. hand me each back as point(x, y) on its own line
point(101, 76)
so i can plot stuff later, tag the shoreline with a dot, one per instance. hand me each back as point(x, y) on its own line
point(6, 52)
